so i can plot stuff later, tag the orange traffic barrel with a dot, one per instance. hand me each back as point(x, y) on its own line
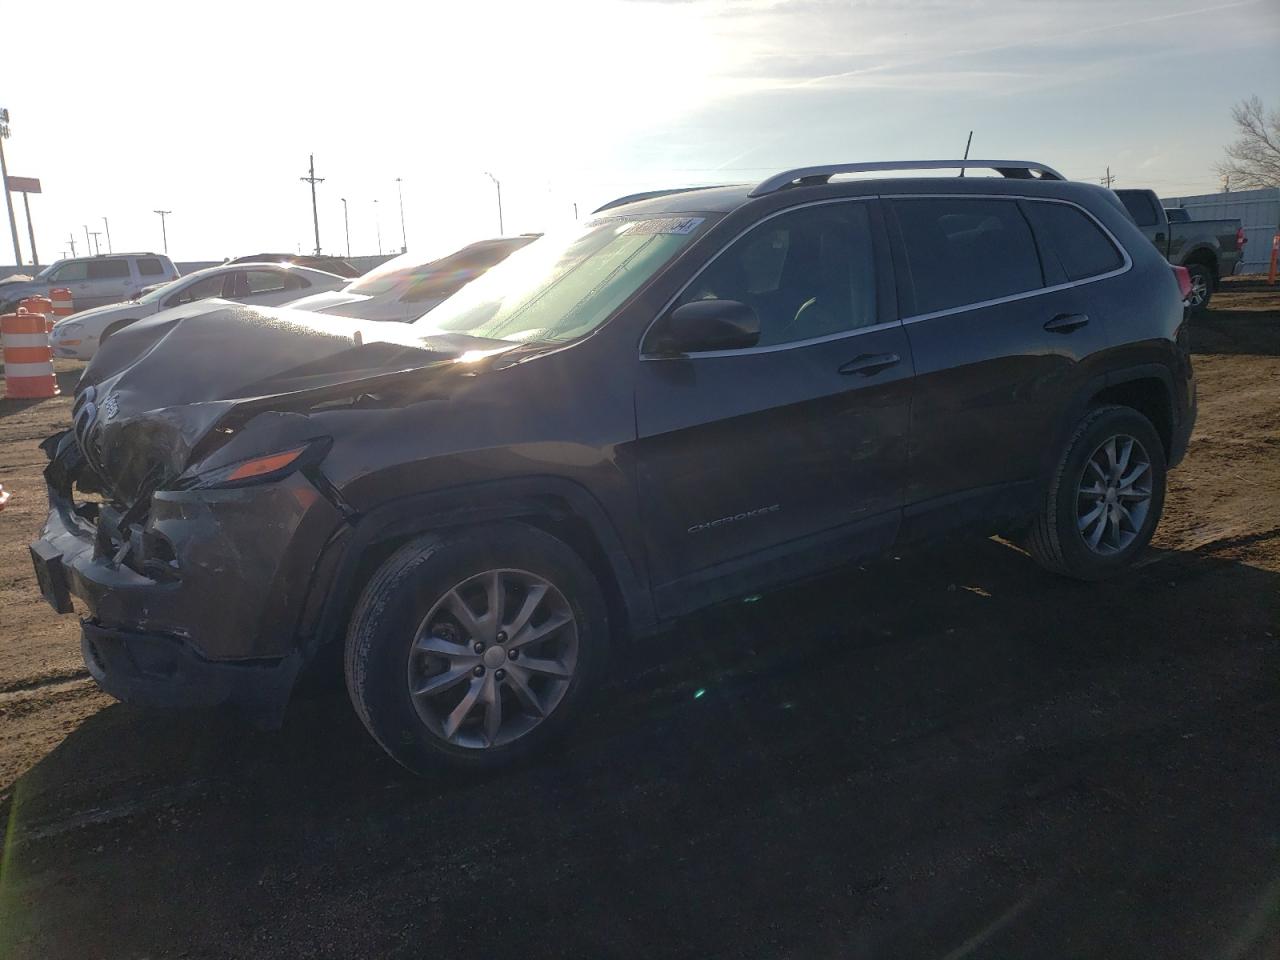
point(63, 305)
point(40, 305)
point(28, 358)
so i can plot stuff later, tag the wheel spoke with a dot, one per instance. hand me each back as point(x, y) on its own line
point(519, 682)
point(552, 668)
point(1096, 492)
point(1111, 455)
point(543, 630)
point(492, 699)
point(442, 681)
point(1096, 536)
point(1097, 468)
point(1133, 476)
point(1092, 515)
point(458, 607)
point(531, 600)
point(442, 647)
point(463, 709)
point(1123, 513)
point(497, 596)
point(1125, 452)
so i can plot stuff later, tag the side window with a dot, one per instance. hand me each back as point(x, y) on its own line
point(266, 281)
point(200, 290)
point(150, 267)
point(1140, 207)
point(108, 269)
point(72, 272)
point(807, 273)
point(962, 251)
point(1071, 239)
point(293, 281)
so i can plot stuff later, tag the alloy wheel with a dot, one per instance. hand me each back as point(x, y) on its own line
point(493, 658)
point(1114, 495)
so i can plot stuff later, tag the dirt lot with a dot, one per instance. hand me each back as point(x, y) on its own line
point(949, 754)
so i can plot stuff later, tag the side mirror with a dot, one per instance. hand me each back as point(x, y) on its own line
point(709, 325)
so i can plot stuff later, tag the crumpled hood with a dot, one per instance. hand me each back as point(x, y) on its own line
point(155, 389)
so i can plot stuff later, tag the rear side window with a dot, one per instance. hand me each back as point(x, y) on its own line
point(150, 267)
point(265, 281)
point(1140, 207)
point(1072, 241)
point(963, 251)
point(108, 269)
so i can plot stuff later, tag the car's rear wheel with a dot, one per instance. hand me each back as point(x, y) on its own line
point(1105, 498)
point(1201, 287)
point(475, 648)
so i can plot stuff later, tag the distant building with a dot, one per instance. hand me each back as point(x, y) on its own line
point(1257, 210)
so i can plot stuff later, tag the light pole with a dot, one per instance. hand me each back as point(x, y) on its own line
point(88, 244)
point(501, 231)
point(106, 226)
point(404, 240)
point(164, 234)
point(97, 250)
point(346, 226)
point(378, 224)
point(4, 182)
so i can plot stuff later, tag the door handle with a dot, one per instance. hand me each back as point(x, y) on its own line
point(869, 363)
point(1066, 322)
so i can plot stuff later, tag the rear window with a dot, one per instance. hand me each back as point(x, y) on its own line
point(150, 267)
point(108, 269)
point(1140, 207)
point(1072, 241)
point(964, 251)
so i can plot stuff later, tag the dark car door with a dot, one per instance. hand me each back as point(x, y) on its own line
point(756, 464)
point(1000, 343)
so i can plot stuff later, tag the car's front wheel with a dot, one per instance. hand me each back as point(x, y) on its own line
point(1105, 498)
point(475, 648)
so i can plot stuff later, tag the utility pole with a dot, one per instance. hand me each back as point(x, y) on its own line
point(106, 226)
point(346, 226)
point(378, 224)
point(31, 228)
point(164, 234)
point(4, 182)
point(312, 179)
point(968, 143)
point(404, 239)
point(97, 250)
point(501, 231)
point(1108, 179)
point(88, 244)
point(71, 237)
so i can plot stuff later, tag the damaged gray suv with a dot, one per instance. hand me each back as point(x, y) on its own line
point(694, 396)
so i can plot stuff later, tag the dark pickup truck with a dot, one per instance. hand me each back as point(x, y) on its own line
point(1209, 249)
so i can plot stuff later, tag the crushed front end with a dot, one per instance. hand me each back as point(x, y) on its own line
point(193, 586)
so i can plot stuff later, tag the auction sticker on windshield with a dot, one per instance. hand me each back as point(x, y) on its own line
point(677, 226)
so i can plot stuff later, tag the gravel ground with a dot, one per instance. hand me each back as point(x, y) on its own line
point(947, 754)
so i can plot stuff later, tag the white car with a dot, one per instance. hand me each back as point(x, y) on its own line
point(264, 284)
point(405, 288)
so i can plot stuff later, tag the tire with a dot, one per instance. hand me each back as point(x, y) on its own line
point(413, 601)
point(1201, 285)
point(1056, 539)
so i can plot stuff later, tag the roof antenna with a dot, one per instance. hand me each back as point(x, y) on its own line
point(967, 144)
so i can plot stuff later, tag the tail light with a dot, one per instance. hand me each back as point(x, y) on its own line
point(1241, 239)
point(1184, 281)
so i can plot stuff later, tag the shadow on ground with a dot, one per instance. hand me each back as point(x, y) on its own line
point(946, 755)
point(67, 380)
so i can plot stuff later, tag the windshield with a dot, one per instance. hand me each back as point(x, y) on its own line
point(562, 287)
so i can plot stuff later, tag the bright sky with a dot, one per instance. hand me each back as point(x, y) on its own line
point(123, 108)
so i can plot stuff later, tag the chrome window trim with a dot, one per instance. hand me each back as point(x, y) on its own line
point(1125, 267)
point(773, 347)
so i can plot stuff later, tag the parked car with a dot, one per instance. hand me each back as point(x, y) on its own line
point(683, 401)
point(1209, 249)
point(92, 281)
point(80, 335)
point(328, 264)
point(405, 288)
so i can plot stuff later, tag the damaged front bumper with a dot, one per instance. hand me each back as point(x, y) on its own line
point(193, 600)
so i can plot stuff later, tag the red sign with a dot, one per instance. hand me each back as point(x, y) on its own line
point(24, 185)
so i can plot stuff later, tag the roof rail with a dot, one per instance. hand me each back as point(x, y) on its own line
point(650, 195)
point(804, 176)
